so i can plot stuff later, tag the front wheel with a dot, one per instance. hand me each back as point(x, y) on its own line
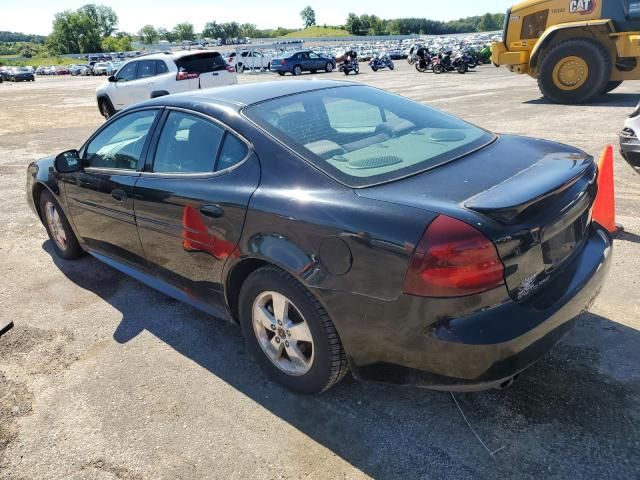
point(281, 74)
point(297, 70)
point(289, 333)
point(105, 109)
point(375, 69)
point(60, 233)
point(462, 68)
point(391, 66)
point(438, 69)
point(574, 71)
point(328, 67)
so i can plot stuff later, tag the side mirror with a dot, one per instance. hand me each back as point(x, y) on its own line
point(67, 162)
point(112, 78)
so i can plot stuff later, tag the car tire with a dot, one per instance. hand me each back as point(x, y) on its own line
point(105, 108)
point(240, 68)
point(64, 241)
point(297, 70)
point(320, 361)
point(328, 67)
point(586, 64)
point(281, 74)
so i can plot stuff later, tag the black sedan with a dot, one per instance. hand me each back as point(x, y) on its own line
point(21, 74)
point(302, 61)
point(344, 228)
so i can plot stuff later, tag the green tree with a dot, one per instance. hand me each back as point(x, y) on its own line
point(117, 44)
point(103, 17)
point(148, 34)
point(184, 31)
point(487, 23)
point(168, 35)
point(353, 25)
point(231, 30)
point(213, 30)
point(308, 16)
point(249, 30)
point(81, 30)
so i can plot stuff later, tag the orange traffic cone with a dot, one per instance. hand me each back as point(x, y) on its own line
point(604, 208)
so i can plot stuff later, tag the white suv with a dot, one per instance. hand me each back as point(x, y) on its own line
point(152, 76)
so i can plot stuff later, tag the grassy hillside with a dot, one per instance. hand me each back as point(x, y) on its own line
point(318, 32)
point(16, 61)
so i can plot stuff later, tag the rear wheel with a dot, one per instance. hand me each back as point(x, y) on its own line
point(462, 68)
point(289, 333)
point(611, 86)
point(60, 233)
point(297, 70)
point(281, 74)
point(438, 69)
point(574, 71)
point(240, 68)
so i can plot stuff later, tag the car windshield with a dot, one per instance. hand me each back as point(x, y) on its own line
point(362, 136)
point(22, 69)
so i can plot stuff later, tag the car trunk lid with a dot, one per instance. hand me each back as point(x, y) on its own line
point(533, 198)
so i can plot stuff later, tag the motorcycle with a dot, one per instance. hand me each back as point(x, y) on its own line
point(379, 62)
point(349, 63)
point(459, 64)
point(444, 63)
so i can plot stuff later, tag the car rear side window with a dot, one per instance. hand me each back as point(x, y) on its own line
point(188, 144)
point(363, 136)
point(119, 145)
point(233, 151)
point(201, 63)
point(147, 68)
point(161, 67)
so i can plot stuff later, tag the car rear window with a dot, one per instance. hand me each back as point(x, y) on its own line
point(201, 62)
point(362, 136)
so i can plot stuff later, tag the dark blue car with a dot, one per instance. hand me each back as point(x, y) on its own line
point(301, 61)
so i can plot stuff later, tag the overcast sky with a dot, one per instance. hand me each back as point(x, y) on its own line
point(35, 16)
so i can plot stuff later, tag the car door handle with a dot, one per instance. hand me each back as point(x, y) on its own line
point(215, 74)
point(213, 211)
point(119, 195)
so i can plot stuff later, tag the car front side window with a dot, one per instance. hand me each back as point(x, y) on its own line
point(119, 145)
point(127, 72)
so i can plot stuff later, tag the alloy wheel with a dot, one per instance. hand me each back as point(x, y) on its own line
point(283, 333)
point(56, 226)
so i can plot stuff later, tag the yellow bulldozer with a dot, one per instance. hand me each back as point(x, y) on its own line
point(576, 49)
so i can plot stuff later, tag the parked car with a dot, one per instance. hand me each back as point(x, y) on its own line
point(302, 61)
point(81, 70)
point(343, 227)
point(151, 76)
point(629, 142)
point(250, 59)
point(101, 68)
point(21, 74)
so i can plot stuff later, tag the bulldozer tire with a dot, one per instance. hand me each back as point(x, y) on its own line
point(574, 71)
point(611, 86)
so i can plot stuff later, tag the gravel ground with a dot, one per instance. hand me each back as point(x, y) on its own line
point(104, 378)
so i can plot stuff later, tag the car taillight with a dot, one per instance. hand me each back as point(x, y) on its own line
point(186, 75)
point(229, 68)
point(453, 259)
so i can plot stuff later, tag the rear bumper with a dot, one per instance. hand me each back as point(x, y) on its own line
point(462, 344)
point(630, 150)
point(279, 68)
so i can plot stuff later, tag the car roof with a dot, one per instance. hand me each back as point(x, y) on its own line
point(249, 94)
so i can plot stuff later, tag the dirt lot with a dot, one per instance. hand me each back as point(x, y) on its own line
point(104, 378)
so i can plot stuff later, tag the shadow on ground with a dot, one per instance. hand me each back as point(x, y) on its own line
point(626, 100)
point(574, 414)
